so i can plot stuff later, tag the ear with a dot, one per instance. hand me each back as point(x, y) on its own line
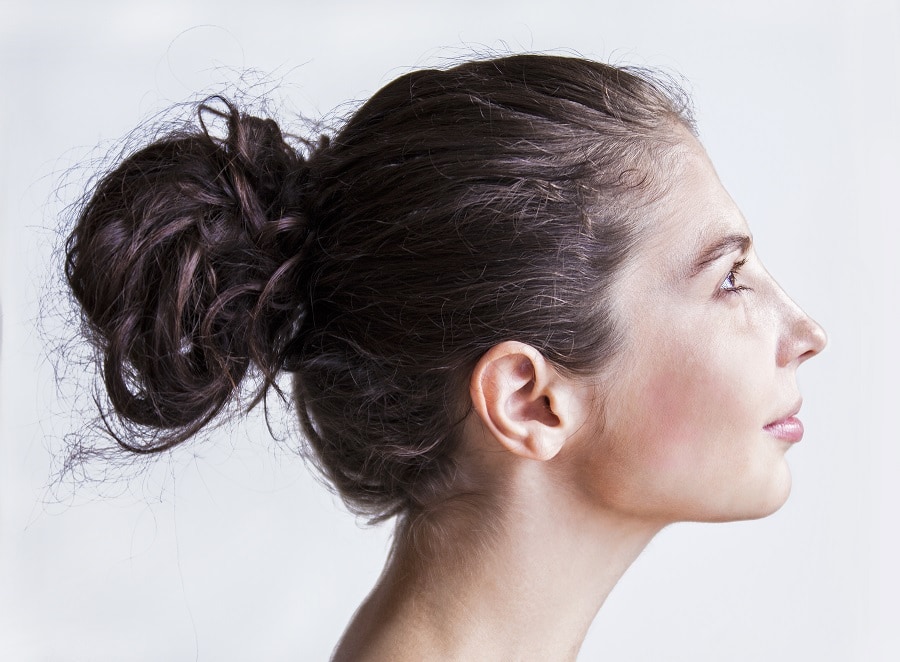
point(523, 401)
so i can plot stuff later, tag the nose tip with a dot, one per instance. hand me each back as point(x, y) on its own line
point(814, 338)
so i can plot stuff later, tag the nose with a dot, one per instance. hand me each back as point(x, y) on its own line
point(802, 340)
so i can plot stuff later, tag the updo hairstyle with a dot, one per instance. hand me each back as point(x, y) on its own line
point(456, 209)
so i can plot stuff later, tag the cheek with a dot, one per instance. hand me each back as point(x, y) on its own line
point(678, 430)
point(681, 429)
point(688, 405)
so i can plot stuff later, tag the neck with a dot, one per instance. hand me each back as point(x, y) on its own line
point(524, 583)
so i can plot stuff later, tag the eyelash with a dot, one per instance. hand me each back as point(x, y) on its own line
point(732, 277)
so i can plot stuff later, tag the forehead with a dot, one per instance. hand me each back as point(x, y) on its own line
point(694, 213)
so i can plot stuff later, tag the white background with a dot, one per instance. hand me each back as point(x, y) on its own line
point(231, 551)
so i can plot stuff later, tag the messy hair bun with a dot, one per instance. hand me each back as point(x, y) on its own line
point(456, 209)
point(185, 260)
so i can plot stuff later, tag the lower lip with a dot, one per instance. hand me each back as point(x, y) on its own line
point(789, 429)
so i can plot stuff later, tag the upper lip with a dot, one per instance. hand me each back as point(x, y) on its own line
point(793, 412)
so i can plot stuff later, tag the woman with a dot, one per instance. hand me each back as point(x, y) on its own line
point(521, 314)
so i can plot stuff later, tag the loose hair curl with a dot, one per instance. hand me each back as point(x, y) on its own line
point(495, 200)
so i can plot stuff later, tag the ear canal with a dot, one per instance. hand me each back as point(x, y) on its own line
point(531, 406)
point(550, 416)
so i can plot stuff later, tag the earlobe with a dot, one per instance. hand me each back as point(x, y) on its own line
point(522, 400)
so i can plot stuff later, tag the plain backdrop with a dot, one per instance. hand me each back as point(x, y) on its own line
point(230, 549)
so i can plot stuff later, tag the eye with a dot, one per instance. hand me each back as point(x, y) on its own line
point(730, 284)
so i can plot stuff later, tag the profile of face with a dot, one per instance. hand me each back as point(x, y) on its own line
point(699, 407)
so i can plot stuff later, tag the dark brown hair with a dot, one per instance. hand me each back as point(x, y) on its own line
point(456, 209)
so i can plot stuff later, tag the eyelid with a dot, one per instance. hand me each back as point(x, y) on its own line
point(732, 274)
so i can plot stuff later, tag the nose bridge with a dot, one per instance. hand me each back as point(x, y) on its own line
point(801, 336)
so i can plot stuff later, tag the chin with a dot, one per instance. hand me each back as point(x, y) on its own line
point(768, 500)
point(752, 502)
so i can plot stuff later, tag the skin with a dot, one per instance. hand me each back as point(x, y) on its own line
point(684, 435)
point(566, 480)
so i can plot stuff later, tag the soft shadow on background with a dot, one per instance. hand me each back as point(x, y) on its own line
point(230, 550)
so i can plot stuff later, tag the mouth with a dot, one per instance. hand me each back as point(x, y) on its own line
point(788, 428)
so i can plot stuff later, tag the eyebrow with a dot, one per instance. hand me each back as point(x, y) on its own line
point(716, 249)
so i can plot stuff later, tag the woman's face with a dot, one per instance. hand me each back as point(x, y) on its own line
point(700, 409)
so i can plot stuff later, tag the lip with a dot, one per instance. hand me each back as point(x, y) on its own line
point(789, 428)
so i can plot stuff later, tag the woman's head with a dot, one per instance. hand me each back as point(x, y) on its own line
point(502, 200)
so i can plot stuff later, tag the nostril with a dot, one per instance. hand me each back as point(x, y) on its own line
point(808, 354)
